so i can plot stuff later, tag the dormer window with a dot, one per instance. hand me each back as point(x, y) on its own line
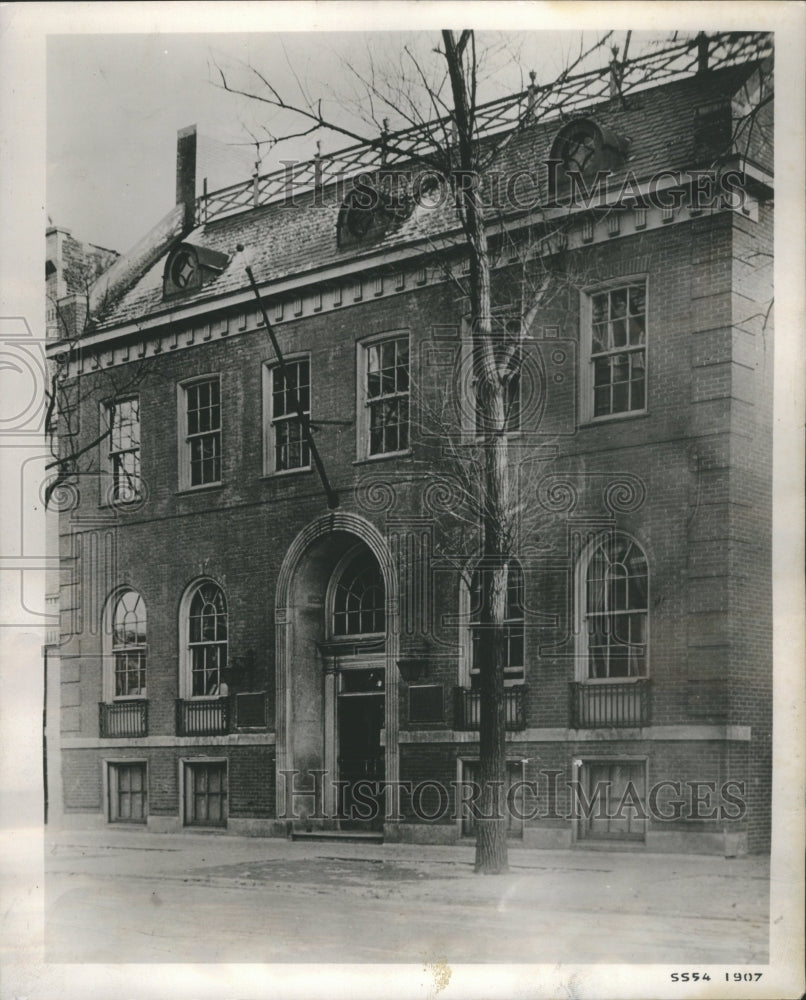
point(372, 208)
point(189, 267)
point(582, 155)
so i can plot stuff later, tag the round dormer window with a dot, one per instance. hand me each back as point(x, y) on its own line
point(359, 219)
point(577, 149)
point(583, 150)
point(190, 267)
point(184, 268)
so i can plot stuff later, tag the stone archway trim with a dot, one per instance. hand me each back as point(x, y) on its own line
point(365, 531)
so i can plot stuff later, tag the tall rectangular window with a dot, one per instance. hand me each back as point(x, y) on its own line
point(206, 793)
point(386, 396)
point(202, 451)
point(123, 463)
point(617, 357)
point(128, 793)
point(289, 391)
point(513, 625)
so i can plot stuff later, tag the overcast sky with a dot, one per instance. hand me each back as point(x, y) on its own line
point(116, 102)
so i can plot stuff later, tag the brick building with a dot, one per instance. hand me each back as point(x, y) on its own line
point(225, 623)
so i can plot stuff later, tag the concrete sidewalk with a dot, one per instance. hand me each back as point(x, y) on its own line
point(197, 897)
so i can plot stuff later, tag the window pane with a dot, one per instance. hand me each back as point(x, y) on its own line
point(638, 394)
point(637, 299)
point(601, 341)
point(601, 400)
point(601, 372)
point(621, 397)
point(618, 302)
point(599, 306)
point(637, 330)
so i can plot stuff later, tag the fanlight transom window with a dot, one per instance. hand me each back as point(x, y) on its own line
point(616, 609)
point(359, 598)
point(129, 645)
point(207, 639)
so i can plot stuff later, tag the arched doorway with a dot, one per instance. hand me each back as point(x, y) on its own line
point(355, 627)
point(336, 672)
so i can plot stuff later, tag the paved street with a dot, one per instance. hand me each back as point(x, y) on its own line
point(203, 898)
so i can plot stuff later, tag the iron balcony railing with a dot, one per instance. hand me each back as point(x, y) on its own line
point(205, 717)
point(610, 704)
point(123, 718)
point(467, 708)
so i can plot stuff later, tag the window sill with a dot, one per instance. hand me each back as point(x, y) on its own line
point(614, 417)
point(507, 685)
point(407, 453)
point(203, 488)
point(593, 681)
point(282, 473)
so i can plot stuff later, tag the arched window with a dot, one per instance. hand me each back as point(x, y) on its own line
point(128, 628)
point(359, 598)
point(614, 619)
point(513, 622)
point(206, 640)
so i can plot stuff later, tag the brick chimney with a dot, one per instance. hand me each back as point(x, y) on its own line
point(186, 174)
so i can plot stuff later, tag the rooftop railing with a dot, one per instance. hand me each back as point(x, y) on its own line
point(566, 94)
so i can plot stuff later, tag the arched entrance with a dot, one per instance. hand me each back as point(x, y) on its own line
point(336, 670)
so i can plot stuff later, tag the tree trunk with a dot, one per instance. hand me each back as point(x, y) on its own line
point(491, 842)
point(496, 502)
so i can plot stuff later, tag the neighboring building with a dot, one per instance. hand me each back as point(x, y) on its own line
point(71, 268)
point(222, 624)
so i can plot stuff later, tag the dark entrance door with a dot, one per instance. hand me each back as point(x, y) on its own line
point(361, 756)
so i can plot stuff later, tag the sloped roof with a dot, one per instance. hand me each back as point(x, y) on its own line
point(284, 240)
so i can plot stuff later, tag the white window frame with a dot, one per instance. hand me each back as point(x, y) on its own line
point(185, 654)
point(362, 401)
point(586, 380)
point(109, 672)
point(108, 453)
point(581, 613)
point(184, 438)
point(270, 422)
point(110, 790)
point(466, 671)
point(186, 779)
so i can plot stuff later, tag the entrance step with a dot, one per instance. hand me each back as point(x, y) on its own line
point(344, 836)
